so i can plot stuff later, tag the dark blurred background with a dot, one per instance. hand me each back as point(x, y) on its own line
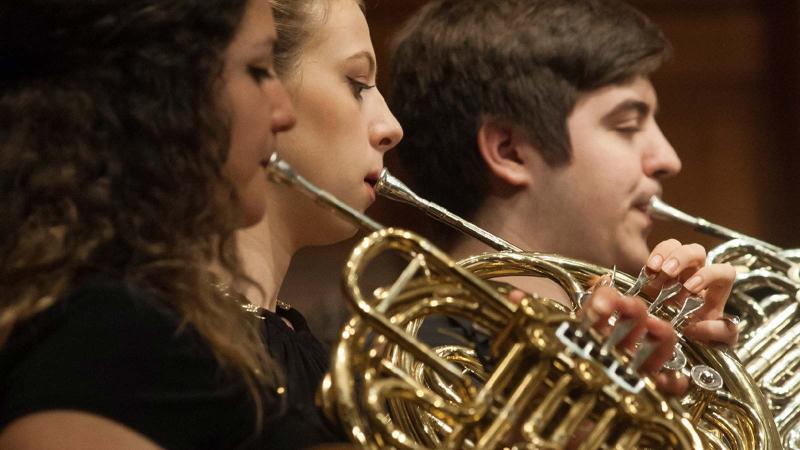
point(729, 103)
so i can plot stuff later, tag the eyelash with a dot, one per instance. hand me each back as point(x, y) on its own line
point(629, 130)
point(260, 74)
point(358, 88)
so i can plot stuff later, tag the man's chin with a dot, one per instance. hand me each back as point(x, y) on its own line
point(633, 259)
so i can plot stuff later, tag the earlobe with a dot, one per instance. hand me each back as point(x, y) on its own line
point(505, 150)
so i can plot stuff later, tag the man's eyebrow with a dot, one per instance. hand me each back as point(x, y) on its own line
point(641, 108)
point(365, 55)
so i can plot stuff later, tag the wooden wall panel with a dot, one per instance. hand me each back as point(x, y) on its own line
point(714, 112)
point(783, 188)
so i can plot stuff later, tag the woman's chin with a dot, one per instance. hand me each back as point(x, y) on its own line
point(334, 232)
point(251, 215)
point(344, 231)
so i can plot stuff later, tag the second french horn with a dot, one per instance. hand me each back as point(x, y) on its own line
point(737, 416)
point(552, 381)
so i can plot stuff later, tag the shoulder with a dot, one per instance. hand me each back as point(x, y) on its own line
point(105, 324)
point(98, 317)
point(68, 430)
point(117, 303)
point(112, 350)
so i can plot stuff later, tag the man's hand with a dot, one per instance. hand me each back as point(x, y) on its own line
point(605, 302)
point(670, 261)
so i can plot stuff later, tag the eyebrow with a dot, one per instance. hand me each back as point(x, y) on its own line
point(268, 43)
point(641, 108)
point(365, 55)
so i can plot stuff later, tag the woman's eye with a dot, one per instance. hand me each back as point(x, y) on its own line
point(260, 73)
point(358, 87)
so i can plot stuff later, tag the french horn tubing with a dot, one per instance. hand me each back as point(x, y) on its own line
point(553, 382)
point(741, 418)
point(766, 298)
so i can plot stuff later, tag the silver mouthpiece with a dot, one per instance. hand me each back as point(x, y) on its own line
point(390, 187)
point(279, 171)
point(661, 210)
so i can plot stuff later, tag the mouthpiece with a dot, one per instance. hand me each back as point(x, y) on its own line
point(661, 210)
point(390, 187)
point(279, 171)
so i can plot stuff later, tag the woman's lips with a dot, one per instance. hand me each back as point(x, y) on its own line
point(370, 190)
point(373, 177)
point(370, 180)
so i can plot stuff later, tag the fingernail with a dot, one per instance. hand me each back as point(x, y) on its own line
point(589, 318)
point(670, 267)
point(693, 283)
point(654, 263)
point(605, 281)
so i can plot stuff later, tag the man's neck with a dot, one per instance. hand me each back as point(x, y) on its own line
point(509, 219)
point(506, 218)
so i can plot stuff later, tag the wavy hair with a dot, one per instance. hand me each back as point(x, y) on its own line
point(111, 153)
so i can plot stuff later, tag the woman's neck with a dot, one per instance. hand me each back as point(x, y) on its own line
point(266, 251)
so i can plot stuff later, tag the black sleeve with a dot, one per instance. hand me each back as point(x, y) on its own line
point(115, 352)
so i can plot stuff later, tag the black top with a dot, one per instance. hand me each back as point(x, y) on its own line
point(305, 362)
point(112, 350)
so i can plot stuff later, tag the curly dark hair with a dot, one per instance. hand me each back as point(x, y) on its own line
point(112, 144)
point(458, 62)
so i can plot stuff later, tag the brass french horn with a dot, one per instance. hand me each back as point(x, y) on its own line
point(552, 378)
point(766, 297)
point(737, 416)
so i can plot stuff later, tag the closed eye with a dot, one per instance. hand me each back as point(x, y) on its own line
point(260, 73)
point(629, 130)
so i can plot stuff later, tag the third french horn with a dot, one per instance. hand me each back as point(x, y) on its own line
point(766, 296)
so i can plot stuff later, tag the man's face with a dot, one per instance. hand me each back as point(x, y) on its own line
point(596, 205)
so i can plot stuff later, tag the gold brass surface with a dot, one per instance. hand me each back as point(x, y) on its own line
point(390, 390)
point(748, 424)
point(547, 381)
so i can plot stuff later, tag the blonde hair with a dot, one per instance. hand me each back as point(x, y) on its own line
point(295, 21)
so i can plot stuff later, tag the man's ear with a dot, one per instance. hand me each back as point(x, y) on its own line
point(507, 151)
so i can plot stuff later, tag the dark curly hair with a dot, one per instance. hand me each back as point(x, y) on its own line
point(112, 144)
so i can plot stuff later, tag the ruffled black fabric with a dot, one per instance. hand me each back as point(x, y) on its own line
point(305, 361)
point(112, 350)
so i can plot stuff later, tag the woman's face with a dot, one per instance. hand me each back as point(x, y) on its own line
point(344, 126)
point(257, 105)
